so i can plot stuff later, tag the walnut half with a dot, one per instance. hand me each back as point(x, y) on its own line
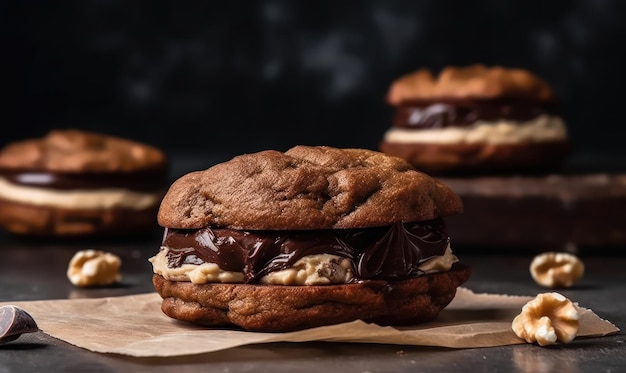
point(94, 268)
point(553, 270)
point(548, 318)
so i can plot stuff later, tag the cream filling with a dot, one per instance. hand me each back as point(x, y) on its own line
point(321, 269)
point(78, 199)
point(541, 129)
point(441, 263)
point(196, 273)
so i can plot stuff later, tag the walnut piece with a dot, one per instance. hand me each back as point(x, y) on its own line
point(554, 270)
point(94, 268)
point(548, 318)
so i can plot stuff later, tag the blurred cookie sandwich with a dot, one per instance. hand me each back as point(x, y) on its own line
point(475, 119)
point(72, 183)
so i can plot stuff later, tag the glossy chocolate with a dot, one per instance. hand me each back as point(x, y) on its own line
point(399, 253)
point(384, 253)
point(445, 113)
point(138, 181)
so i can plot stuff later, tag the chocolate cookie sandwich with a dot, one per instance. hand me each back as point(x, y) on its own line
point(314, 236)
point(475, 119)
point(72, 183)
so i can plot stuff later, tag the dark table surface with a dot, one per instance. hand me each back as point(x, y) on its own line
point(33, 270)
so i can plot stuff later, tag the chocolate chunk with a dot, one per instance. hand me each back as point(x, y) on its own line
point(384, 253)
point(14, 322)
point(439, 113)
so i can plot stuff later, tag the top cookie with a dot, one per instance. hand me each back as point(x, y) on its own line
point(472, 82)
point(75, 151)
point(306, 188)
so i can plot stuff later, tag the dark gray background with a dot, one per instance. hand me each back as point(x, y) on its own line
point(241, 76)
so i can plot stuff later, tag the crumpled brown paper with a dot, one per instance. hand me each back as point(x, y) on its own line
point(134, 325)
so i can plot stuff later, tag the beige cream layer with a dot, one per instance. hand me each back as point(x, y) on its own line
point(541, 129)
point(323, 269)
point(78, 199)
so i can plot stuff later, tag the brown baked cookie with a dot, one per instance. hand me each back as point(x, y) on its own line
point(440, 159)
point(306, 188)
point(475, 119)
point(313, 236)
point(475, 81)
point(74, 183)
point(287, 308)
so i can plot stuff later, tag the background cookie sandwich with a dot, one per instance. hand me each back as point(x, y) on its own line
point(313, 236)
point(475, 119)
point(73, 183)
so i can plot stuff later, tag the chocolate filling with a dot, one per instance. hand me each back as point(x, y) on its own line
point(385, 253)
point(455, 112)
point(139, 181)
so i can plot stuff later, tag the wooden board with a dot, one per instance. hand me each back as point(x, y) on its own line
point(558, 211)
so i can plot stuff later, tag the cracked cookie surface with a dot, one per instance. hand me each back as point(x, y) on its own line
point(306, 187)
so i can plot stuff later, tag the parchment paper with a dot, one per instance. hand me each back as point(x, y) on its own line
point(134, 325)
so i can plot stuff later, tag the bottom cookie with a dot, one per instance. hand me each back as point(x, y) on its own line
point(286, 308)
point(471, 158)
point(32, 220)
